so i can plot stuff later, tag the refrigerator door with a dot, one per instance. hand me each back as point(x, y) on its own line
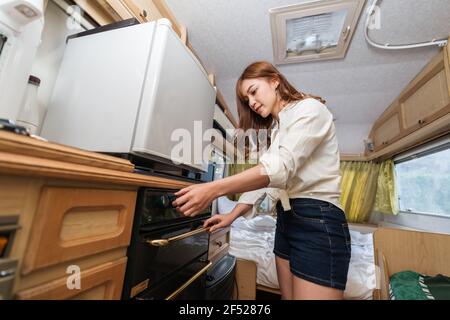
point(177, 105)
point(97, 94)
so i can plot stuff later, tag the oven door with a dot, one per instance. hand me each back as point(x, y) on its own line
point(158, 255)
point(154, 210)
point(188, 283)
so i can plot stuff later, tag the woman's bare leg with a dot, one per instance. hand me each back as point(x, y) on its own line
point(305, 290)
point(285, 278)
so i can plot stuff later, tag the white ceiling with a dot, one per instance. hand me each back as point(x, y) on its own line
point(230, 34)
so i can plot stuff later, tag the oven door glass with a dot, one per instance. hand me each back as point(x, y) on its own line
point(156, 210)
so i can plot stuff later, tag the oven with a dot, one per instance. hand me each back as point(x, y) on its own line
point(167, 256)
point(8, 227)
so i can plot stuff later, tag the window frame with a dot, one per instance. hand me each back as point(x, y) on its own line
point(427, 149)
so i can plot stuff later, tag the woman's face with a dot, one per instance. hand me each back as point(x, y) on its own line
point(260, 95)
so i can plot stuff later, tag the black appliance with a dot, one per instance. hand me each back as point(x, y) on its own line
point(167, 256)
point(220, 279)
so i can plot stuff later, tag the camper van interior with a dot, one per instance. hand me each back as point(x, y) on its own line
point(109, 108)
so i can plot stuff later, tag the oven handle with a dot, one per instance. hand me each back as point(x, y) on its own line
point(166, 242)
point(194, 277)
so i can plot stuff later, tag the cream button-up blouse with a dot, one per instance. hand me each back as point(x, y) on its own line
point(303, 159)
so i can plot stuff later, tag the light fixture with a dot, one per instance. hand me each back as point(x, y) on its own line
point(318, 30)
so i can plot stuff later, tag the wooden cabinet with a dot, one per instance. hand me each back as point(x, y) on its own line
point(108, 11)
point(388, 129)
point(72, 209)
point(420, 111)
point(219, 244)
point(427, 98)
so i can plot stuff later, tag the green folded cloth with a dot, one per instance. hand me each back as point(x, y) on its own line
point(409, 285)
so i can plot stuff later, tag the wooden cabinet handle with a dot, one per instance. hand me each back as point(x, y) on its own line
point(421, 121)
point(219, 243)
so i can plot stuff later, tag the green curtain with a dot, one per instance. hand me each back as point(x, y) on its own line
point(358, 189)
point(235, 169)
point(364, 186)
point(386, 197)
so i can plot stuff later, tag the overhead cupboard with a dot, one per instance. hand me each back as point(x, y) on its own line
point(108, 11)
point(423, 103)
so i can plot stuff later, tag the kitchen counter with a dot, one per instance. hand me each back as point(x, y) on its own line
point(73, 213)
point(26, 156)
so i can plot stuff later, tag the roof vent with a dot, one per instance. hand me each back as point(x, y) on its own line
point(318, 30)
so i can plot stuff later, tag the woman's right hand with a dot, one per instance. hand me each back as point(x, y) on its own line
point(219, 221)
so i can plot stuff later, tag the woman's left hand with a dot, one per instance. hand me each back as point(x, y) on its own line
point(194, 199)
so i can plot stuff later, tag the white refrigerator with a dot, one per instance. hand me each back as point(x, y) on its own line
point(127, 90)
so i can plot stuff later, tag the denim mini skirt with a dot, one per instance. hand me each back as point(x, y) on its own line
point(314, 237)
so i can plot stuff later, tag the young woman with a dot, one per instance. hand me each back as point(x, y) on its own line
point(312, 241)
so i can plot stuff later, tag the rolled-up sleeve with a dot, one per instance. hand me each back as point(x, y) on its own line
point(299, 137)
point(252, 197)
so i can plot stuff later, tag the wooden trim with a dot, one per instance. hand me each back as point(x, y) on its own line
point(184, 35)
point(212, 79)
point(223, 105)
point(22, 145)
point(95, 11)
point(447, 64)
point(21, 165)
point(106, 6)
point(135, 10)
point(246, 279)
point(119, 9)
point(268, 289)
point(165, 11)
point(353, 157)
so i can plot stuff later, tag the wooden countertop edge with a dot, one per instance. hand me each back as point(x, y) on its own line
point(23, 165)
point(23, 145)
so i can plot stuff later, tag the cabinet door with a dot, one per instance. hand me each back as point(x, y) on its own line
point(103, 282)
point(116, 9)
point(387, 131)
point(429, 100)
point(72, 223)
point(143, 10)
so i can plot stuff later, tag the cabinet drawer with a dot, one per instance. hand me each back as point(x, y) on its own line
point(103, 282)
point(219, 244)
point(75, 222)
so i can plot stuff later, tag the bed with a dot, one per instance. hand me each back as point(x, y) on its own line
point(399, 250)
point(251, 241)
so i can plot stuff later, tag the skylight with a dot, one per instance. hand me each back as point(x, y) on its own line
point(316, 30)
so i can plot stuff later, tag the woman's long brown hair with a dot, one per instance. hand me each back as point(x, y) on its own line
point(248, 119)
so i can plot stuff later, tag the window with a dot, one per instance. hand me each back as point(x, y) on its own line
point(423, 180)
point(219, 162)
point(318, 30)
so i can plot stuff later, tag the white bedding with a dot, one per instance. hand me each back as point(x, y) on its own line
point(254, 239)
